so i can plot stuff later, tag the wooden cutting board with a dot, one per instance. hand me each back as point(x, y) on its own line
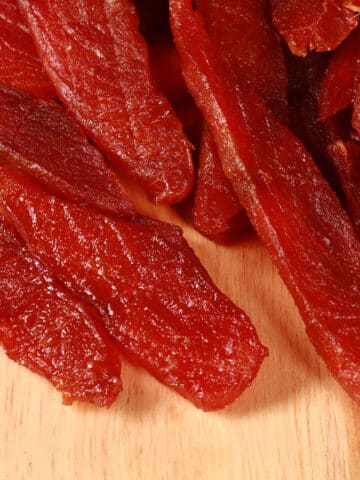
point(293, 423)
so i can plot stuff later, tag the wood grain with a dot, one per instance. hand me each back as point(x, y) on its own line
point(293, 423)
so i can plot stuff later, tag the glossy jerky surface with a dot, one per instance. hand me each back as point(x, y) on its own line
point(217, 208)
point(346, 156)
point(48, 330)
point(243, 32)
point(292, 207)
point(19, 63)
point(155, 296)
point(341, 84)
point(153, 16)
point(319, 25)
point(98, 61)
point(39, 137)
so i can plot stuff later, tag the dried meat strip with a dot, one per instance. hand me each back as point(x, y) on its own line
point(319, 25)
point(154, 295)
point(243, 32)
point(292, 207)
point(99, 63)
point(39, 137)
point(216, 207)
point(50, 331)
point(19, 63)
point(245, 35)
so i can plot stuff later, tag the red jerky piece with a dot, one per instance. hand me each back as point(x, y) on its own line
point(155, 296)
point(341, 84)
point(243, 31)
point(94, 54)
point(292, 207)
point(19, 63)
point(319, 25)
point(48, 330)
point(245, 35)
point(346, 157)
point(217, 208)
point(38, 136)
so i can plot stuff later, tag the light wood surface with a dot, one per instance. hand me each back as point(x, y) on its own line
point(293, 423)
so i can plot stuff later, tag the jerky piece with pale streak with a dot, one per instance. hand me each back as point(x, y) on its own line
point(244, 34)
point(292, 207)
point(39, 137)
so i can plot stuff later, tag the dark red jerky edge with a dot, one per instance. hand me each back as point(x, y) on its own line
point(340, 86)
point(216, 206)
point(48, 330)
point(40, 138)
point(166, 72)
point(165, 65)
point(243, 32)
point(99, 63)
point(356, 103)
point(356, 111)
point(305, 77)
point(319, 25)
point(154, 295)
point(19, 63)
point(346, 156)
point(166, 69)
point(292, 207)
point(154, 18)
